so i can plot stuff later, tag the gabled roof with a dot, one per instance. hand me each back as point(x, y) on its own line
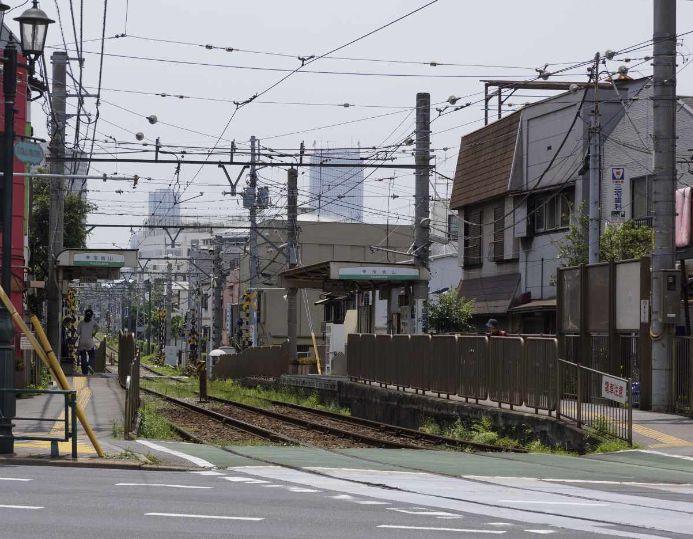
point(485, 162)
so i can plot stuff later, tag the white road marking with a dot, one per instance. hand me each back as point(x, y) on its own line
point(433, 529)
point(541, 532)
point(498, 524)
point(426, 512)
point(301, 489)
point(21, 507)
point(271, 486)
point(546, 502)
point(342, 497)
point(167, 485)
point(220, 517)
point(370, 502)
point(660, 453)
point(208, 472)
point(251, 480)
point(14, 479)
point(202, 463)
point(603, 482)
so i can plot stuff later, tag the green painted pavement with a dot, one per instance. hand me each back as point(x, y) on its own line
point(629, 466)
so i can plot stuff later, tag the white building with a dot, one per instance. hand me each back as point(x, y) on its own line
point(336, 193)
point(163, 208)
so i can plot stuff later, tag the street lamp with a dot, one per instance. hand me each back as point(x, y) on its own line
point(33, 25)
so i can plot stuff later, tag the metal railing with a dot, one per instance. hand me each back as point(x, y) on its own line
point(69, 419)
point(595, 399)
point(265, 361)
point(514, 370)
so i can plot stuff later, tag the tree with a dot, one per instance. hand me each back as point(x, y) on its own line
point(75, 231)
point(451, 313)
point(619, 241)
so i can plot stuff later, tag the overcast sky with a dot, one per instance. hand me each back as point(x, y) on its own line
point(514, 37)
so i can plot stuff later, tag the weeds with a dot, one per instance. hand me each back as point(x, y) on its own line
point(117, 430)
point(153, 424)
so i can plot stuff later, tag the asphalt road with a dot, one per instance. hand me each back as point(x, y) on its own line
point(275, 501)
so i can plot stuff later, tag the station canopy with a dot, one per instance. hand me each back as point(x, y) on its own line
point(333, 276)
point(94, 264)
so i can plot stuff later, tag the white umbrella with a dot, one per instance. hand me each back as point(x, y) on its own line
point(217, 353)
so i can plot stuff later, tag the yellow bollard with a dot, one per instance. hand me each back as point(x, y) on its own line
point(62, 380)
point(49, 359)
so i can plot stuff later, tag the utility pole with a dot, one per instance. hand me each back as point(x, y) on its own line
point(169, 302)
point(595, 170)
point(292, 259)
point(422, 221)
point(7, 345)
point(148, 283)
point(218, 281)
point(664, 189)
point(56, 212)
point(254, 264)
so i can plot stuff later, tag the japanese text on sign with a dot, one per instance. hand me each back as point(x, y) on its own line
point(614, 389)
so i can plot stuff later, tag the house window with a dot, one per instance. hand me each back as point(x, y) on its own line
point(472, 238)
point(641, 194)
point(498, 232)
point(552, 211)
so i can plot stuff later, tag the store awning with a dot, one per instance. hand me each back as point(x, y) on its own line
point(339, 277)
point(93, 264)
point(536, 306)
point(491, 295)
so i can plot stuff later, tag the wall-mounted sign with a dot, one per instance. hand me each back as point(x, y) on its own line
point(28, 152)
point(378, 273)
point(618, 178)
point(614, 389)
point(102, 260)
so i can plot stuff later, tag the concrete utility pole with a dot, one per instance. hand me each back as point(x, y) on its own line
point(254, 264)
point(292, 258)
point(422, 221)
point(218, 281)
point(664, 189)
point(169, 301)
point(595, 171)
point(56, 212)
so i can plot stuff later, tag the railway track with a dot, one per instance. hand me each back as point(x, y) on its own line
point(295, 424)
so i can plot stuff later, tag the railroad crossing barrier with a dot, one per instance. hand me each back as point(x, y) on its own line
point(132, 398)
point(516, 370)
point(126, 355)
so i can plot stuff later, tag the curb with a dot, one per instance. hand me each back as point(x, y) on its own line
point(93, 463)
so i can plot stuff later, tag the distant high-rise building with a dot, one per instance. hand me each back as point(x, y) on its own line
point(337, 192)
point(163, 209)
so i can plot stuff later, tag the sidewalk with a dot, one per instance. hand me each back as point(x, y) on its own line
point(667, 433)
point(100, 396)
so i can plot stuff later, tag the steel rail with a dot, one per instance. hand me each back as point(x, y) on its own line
point(236, 423)
point(383, 427)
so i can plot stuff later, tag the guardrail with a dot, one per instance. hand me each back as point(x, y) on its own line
point(519, 371)
point(126, 354)
point(69, 419)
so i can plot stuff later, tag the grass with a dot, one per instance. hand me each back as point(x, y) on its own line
point(165, 370)
point(117, 430)
point(233, 391)
point(483, 432)
point(153, 424)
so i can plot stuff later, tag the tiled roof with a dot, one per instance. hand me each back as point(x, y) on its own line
point(485, 162)
point(492, 294)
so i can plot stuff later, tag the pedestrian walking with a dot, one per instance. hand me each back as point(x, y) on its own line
point(86, 329)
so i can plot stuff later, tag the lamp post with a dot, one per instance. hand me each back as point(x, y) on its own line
point(33, 25)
